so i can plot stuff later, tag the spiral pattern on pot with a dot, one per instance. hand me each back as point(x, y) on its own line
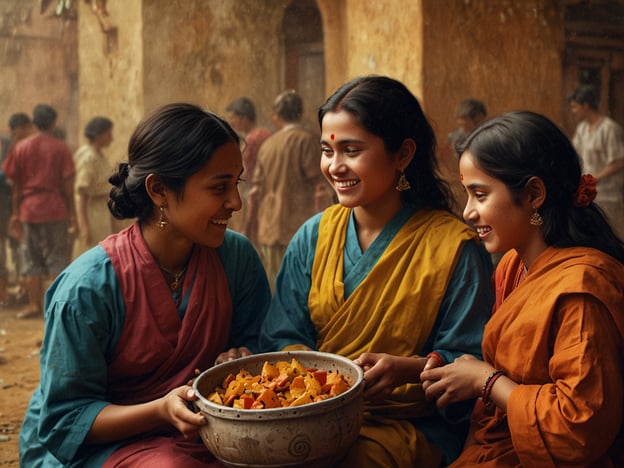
point(300, 446)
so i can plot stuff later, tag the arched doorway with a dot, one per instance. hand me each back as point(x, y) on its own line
point(304, 57)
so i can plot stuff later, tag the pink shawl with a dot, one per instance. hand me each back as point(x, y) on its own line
point(158, 351)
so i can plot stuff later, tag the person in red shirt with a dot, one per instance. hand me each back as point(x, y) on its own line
point(41, 170)
point(21, 127)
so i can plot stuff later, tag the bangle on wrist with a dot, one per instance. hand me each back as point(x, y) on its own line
point(486, 391)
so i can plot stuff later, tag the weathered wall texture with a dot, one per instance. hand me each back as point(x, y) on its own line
point(210, 52)
point(205, 52)
point(385, 38)
point(111, 71)
point(37, 63)
point(504, 52)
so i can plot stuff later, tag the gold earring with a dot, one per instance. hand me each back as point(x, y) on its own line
point(536, 218)
point(162, 222)
point(403, 184)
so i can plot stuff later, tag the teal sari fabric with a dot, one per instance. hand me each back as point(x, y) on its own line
point(84, 319)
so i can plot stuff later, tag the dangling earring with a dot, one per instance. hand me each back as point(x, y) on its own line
point(536, 219)
point(403, 183)
point(162, 222)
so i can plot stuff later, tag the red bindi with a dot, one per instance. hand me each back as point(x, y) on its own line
point(332, 136)
point(461, 176)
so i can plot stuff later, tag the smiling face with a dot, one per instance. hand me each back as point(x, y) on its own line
point(210, 196)
point(501, 222)
point(357, 165)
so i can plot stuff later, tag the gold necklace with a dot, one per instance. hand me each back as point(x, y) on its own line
point(176, 277)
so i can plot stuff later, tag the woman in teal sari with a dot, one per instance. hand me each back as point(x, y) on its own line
point(128, 322)
point(389, 276)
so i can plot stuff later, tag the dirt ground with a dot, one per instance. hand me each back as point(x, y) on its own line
point(19, 375)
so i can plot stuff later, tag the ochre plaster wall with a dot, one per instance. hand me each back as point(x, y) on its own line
point(506, 53)
point(385, 38)
point(205, 52)
point(37, 63)
point(111, 71)
point(210, 52)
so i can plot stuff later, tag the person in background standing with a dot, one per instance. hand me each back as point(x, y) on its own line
point(5, 214)
point(21, 127)
point(469, 114)
point(241, 114)
point(42, 172)
point(91, 186)
point(287, 181)
point(600, 142)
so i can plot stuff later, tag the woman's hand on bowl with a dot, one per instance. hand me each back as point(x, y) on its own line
point(176, 409)
point(192, 381)
point(232, 354)
point(384, 372)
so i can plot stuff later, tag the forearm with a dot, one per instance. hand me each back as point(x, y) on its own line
point(82, 215)
point(117, 422)
point(68, 195)
point(16, 190)
point(610, 169)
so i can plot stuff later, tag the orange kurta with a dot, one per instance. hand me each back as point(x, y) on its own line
point(557, 331)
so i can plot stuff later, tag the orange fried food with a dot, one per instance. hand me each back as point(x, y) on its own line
point(279, 385)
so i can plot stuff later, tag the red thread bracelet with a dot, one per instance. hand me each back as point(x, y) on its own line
point(487, 387)
point(433, 354)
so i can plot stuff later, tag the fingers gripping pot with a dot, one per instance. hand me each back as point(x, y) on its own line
point(312, 435)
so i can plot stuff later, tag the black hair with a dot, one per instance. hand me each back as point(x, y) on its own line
point(386, 108)
point(19, 119)
point(96, 126)
point(173, 142)
point(243, 107)
point(59, 133)
point(519, 145)
point(44, 116)
point(470, 109)
point(586, 93)
point(289, 106)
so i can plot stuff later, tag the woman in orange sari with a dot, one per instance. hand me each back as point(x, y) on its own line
point(550, 383)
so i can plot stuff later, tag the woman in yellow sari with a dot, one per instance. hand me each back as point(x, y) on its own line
point(389, 270)
point(550, 381)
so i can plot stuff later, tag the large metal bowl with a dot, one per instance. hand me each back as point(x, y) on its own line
point(312, 435)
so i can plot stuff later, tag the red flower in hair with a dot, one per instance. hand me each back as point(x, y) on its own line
point(586, 193)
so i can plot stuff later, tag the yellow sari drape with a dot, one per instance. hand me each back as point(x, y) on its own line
point(393, 310)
